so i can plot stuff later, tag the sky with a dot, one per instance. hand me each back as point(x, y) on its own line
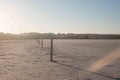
point(60, 16)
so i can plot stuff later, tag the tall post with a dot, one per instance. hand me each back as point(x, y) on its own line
point(42, 43)
point(51, 50)
point(39, 41)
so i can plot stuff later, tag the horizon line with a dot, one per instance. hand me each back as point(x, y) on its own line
point(60, 33)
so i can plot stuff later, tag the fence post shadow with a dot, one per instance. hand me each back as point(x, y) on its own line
point(77, 68)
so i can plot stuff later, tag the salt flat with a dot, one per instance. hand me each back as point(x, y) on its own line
point(73, 60)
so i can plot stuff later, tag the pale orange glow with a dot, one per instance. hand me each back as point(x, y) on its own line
point(105, 60)
point(98, 65)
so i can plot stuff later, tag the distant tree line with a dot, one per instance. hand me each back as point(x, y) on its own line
point(35, 35)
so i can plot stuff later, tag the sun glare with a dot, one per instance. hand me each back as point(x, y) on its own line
point(7, 19)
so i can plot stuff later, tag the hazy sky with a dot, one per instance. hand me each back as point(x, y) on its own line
point(60, 16)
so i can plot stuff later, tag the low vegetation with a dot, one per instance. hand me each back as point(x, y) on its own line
point(34, 35)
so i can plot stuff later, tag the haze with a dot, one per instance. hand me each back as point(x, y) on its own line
point(60, 16)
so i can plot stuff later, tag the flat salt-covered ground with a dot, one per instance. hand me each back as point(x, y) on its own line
point(73, 60)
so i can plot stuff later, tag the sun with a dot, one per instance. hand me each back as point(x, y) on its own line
point(7, 19)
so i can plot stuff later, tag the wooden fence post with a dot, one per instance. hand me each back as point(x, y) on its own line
point(39, 41)
point(51, 50)
point(42, 43)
